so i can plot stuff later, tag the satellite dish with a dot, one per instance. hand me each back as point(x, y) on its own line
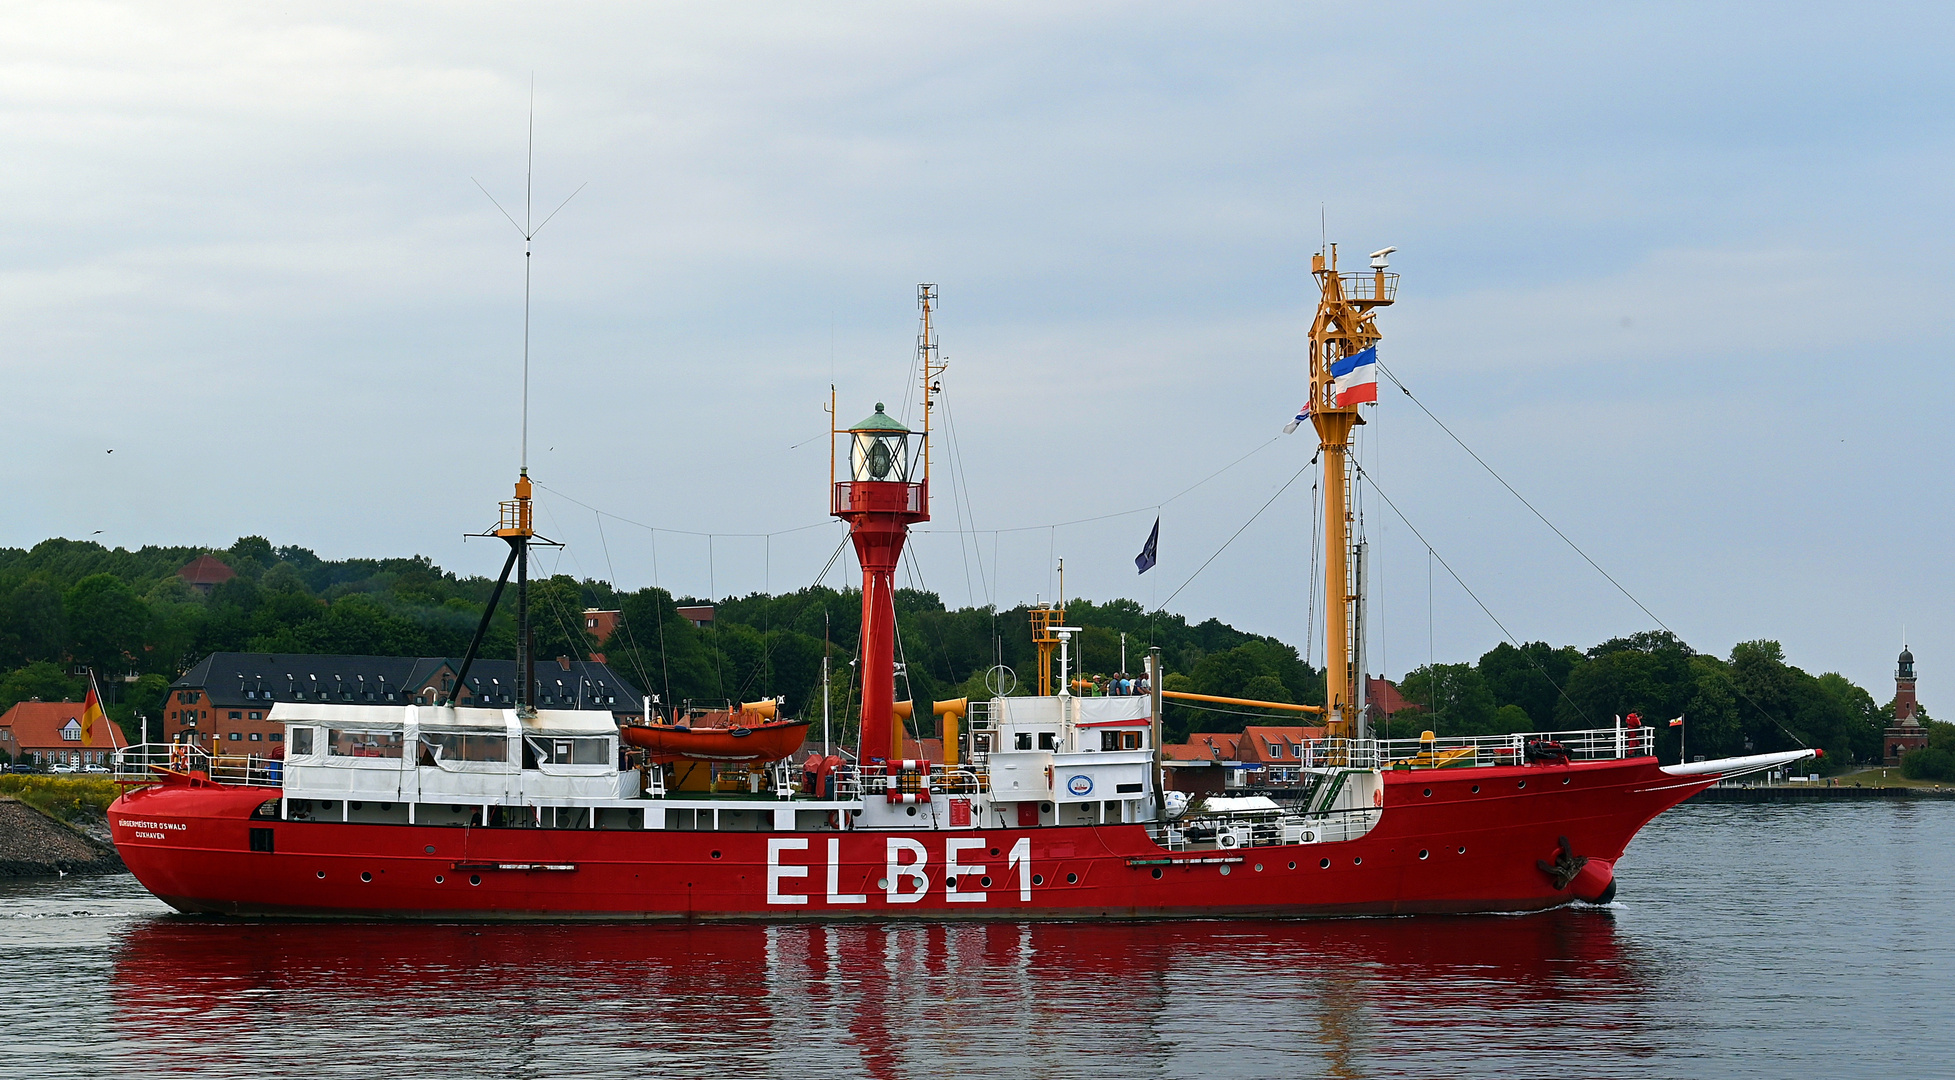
point(1001, 681)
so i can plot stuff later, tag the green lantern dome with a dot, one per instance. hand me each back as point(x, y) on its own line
point(881, 422)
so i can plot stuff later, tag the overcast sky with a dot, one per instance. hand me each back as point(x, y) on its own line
point(1680, 274)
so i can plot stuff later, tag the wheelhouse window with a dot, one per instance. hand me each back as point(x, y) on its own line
point(354, 743)
point(301, 741)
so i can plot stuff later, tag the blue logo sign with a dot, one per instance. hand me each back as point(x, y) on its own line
point(1080, 785)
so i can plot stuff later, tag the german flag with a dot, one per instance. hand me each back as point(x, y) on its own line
point(91, 713)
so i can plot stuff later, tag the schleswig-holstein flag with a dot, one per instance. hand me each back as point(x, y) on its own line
point(1354, 378)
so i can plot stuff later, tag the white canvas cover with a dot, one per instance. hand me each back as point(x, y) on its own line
point(1106, 710)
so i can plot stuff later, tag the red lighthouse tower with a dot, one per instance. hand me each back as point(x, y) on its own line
point(880, 502)
point(1907, 732)
point(887, 490)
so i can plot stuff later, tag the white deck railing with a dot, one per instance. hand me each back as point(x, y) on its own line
point(146, 762)
point(1594, 744)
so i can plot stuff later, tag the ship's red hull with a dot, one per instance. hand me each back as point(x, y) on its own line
point(1450, 840)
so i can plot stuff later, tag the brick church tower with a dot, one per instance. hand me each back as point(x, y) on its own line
point(1907, 732)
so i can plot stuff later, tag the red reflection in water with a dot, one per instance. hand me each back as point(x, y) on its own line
point(884, 1000)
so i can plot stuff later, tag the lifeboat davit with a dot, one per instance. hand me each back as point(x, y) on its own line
point(751, 735)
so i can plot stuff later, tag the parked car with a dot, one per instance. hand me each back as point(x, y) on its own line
point(63, 767)
point(95, 769)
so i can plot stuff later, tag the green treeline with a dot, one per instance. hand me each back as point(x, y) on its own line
point(1750, 702)
point(69, 603)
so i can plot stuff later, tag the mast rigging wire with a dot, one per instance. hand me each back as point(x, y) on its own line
point(1762, 711)
point(1225, 544)
point(1431, 553)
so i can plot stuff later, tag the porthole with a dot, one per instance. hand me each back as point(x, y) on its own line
point(1038, 879)
point(910, 811)
point(475, 879)
point(429, 849)
point(1157, 873)
point(1476, 789)
point(366, 875)
point(1293, 866)
point(716, 854)
point(984, 882)
point(1072, 879)
point(1357, 860)
point(357, 806)
point(1564, 781)
point(1045, 808)
point(1523, 783)
point(994, 853)
point(1259, 868)
point(1428, 793)
point(1324, 863)
point(1225, 869)
point(319, 874)
point(438, 879)
point(882, 883)
point(386, 806)
point(1462, 851)
point(1423, 854)
point(950, 884)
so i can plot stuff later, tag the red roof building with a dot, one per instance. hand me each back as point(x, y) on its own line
point(1281, 746)
point(1202, 746)
point(49, 733)
point(1382, 699)
point(206, 572)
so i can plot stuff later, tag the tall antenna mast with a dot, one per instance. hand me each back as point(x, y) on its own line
point(515, 524)
point(926, 354)
point(529, 233)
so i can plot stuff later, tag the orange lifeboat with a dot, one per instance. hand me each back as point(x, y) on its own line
point(752, 735)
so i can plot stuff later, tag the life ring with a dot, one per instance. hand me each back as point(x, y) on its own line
point(1378, 797)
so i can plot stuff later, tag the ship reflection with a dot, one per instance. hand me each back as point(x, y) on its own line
point(1341, 998)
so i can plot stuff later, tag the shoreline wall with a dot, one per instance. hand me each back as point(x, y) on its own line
point(32, 844)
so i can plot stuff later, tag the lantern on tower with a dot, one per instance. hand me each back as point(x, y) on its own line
point(879, 449)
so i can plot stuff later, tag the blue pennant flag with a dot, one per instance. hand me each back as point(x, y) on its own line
point(1145, 560)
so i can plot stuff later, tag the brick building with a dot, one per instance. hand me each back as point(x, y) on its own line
point(1907, 732)
point(48, 733)
point(226, 698)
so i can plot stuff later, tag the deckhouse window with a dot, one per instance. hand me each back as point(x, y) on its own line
point(1047, 740)
point(345, 742)
point(301, 741)
point(452, 746)
point(571, 749)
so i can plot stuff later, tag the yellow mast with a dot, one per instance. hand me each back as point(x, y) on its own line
point(1344, 326)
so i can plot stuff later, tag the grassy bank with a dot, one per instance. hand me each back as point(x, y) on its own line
point(1889, 776)
point(71, 798)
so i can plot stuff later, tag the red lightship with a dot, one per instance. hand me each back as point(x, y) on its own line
point(1049, 805)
